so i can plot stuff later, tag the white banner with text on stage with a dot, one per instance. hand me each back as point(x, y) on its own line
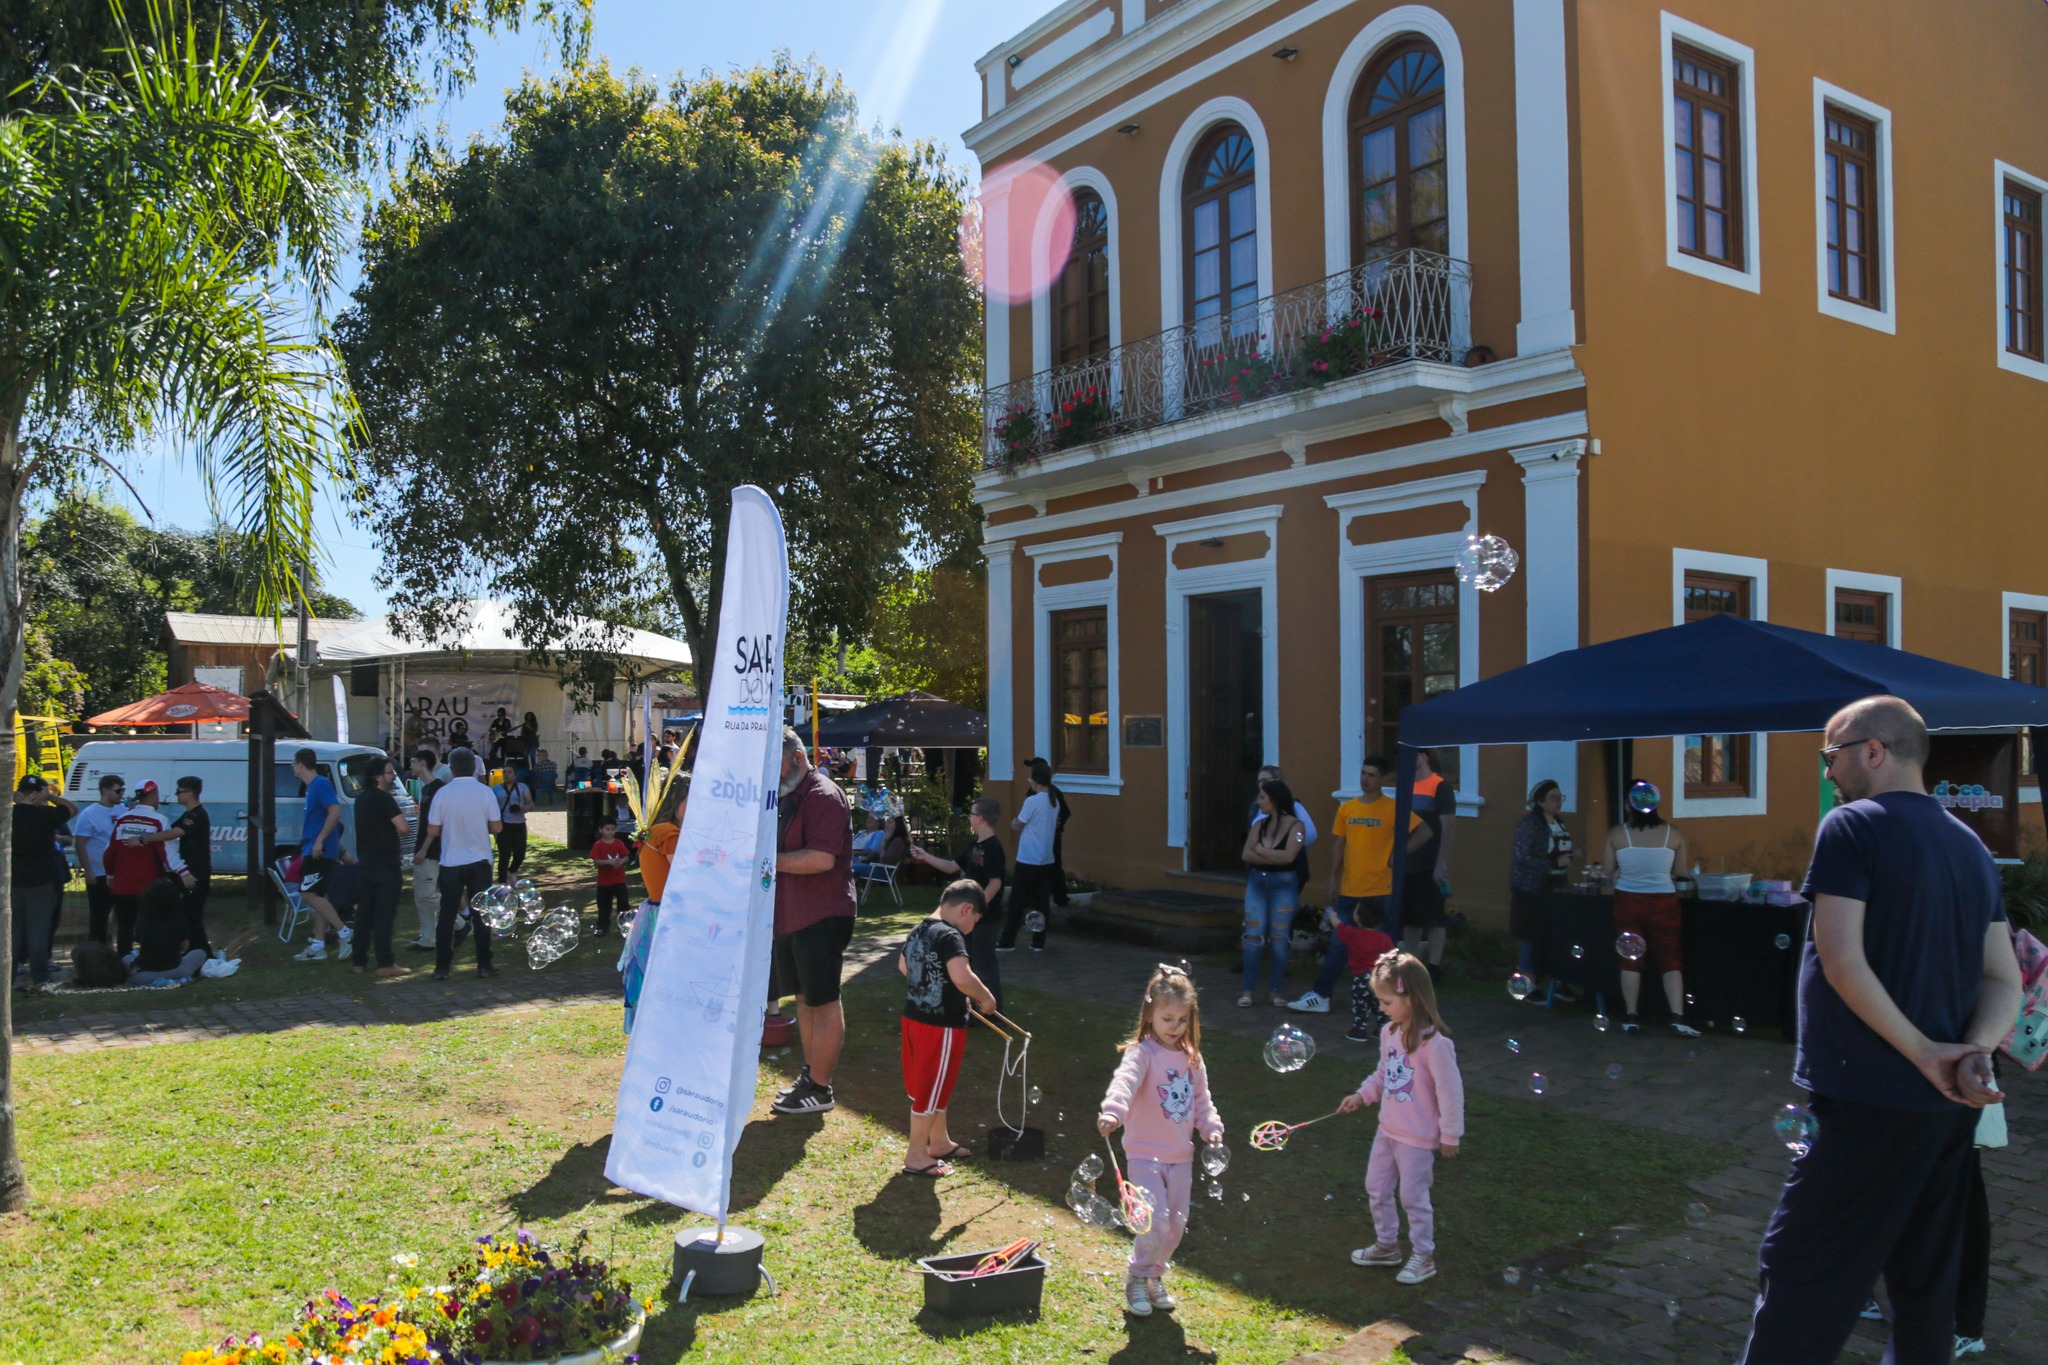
point(695, 1049)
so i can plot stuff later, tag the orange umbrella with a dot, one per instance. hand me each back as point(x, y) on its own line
point(195, 702)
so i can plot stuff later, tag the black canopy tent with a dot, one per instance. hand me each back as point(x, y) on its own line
point(1720, 675)
point(915, 720)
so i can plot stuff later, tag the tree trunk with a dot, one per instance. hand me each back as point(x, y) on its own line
point(700, 616)
point(13, 1182)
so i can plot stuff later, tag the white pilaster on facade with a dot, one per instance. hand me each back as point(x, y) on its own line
point(1134, 15)
point(995, 260)
point(1002, 759)
point(1543, 178)
point(1550, 580)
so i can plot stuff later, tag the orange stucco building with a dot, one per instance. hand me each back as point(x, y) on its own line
point(1729, 307)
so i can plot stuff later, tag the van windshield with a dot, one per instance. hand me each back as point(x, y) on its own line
point(355, 774)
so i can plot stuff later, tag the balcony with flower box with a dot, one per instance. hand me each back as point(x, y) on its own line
point(1381, 337)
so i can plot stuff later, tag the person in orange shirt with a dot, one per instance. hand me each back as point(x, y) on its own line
point(658, 847)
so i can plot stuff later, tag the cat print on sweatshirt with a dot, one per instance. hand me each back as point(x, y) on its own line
point(1177, 1096)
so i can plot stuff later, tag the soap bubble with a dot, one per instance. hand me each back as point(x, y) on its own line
point(1035, 922)
point(496, 911)
point(1215, 1159)
point(1599, 1023)
point(1289, 1049)
point(1577, 951)
point(1511, 1276)
point(1671, 1309)
point(1246, 1198)
point(1643, 797)
point(1738, 1024)
point(624, 919)
point(525, 889)
point(1485, 563)
point(1034, 1095)
point(1614, 1071)
point(1514, 1046)
point(1089, 1169)
point(1696, 1214)
point(531, 910)
point(1782, 942)
point(1520, 986)
point(1215, 1189)
point(1537, 1085)
point(1795, 1127)
point(1102, 1213)
point(555, 937)
point(1690, 1000)
point(1078, 1195)
point(1630, 947)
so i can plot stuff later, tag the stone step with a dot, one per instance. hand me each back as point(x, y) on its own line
point(1186, 920)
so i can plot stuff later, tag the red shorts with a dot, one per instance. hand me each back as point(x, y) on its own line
point(931, 1064)
point(1656, 918)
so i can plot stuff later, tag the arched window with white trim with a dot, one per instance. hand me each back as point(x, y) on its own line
point(1221, 217)
point(1080, 294)
point(1400, 161)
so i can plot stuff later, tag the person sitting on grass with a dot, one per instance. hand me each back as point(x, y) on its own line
point(160, 956)
point(938, 983)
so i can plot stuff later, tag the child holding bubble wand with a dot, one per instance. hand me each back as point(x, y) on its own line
point(1160, 1098)
point(1422, 1112)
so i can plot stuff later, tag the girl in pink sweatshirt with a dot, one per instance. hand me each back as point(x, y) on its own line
point(1160, 1098)
point(1422, 1112)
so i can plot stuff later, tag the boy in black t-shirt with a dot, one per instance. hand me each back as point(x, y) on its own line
point(983, 863)
point(938, 983)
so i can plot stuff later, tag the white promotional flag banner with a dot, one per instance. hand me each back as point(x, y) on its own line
point(695, 1049)
point(340, 711)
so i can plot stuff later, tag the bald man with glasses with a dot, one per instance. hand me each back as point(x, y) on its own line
point(1909, 981)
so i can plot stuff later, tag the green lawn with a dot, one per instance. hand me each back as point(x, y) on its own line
point(184, 1191)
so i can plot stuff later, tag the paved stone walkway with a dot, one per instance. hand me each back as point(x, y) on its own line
point(1636, 1293)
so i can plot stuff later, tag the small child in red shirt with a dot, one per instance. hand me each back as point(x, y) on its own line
point(611, 856)
point(1362, 949)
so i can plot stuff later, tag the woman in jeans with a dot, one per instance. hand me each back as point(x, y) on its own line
point(1271, 892)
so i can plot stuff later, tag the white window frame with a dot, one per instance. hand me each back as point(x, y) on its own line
point(1883, 318)
point(1262, 574)
point(1172, 240)
point(1357, 563)
point(1100, 592)
point(2008, 604)
point(1671, 30)
point(1887, 584)
point(2003, 171)
point(1758, 572)
point(1042, 322)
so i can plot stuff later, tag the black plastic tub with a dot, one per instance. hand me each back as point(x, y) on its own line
point(1020, 1288)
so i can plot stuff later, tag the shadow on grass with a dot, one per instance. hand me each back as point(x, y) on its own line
point(1158, 1337)
point(577, 1179)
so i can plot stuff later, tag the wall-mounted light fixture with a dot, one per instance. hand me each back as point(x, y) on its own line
point(1015, 60)
point(1129, 130)
point(1288, 53)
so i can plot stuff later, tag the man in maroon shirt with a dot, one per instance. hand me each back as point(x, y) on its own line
point(814, 908)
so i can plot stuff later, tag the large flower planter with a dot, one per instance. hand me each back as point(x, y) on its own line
point(619, 1349)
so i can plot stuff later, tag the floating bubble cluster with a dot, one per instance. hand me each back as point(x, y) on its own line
point(1630, 947)
point(1486, 563)
point(1089, 1169)
point(1289, 1049)
point(552, 940)
point(1215, 1159)
point(1521, 986)
point(1795, 1127)
point(494, 907)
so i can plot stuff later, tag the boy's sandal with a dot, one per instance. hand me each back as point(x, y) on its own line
point(1244, 1002)
point(931, 1172)
point(959, 1151)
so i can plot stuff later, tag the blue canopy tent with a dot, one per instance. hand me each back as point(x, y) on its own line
point(1720, 675)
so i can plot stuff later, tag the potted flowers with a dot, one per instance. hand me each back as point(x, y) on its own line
point(511, 1299)
point(1079, 417)
point(1017, 436)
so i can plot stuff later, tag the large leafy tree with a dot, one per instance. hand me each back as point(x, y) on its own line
point(356, 68)
point(571, 342)
point(155, 222)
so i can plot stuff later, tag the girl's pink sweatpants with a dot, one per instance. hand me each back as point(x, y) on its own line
point(1413, 1169)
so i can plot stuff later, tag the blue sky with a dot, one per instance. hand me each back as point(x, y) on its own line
point(911, 62)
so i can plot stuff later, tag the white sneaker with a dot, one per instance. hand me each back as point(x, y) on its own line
point(347, 934)
point(316, 951)
point(1969, 1346)
point(1390, 1254)
point(1418, 1269)
point(1310, 1004)
point(1161, 1300)
point(1137, 1299)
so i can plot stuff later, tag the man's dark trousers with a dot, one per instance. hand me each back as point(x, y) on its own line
point(458, 884)
point(1882, 1191)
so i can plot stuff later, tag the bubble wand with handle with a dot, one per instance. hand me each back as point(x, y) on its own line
point(1137, 1205)
point(1272, 1135)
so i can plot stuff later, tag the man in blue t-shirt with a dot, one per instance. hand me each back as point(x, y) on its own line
point(1908, 982)
point(319, 847)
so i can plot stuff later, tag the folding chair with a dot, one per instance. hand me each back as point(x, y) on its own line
point(885, 873)
point(295, 908)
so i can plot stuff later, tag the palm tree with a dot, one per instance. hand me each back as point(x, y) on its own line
point(163, 226)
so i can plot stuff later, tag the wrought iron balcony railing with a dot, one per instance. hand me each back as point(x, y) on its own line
point(1411, 305)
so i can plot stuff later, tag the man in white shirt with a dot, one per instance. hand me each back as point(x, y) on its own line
point(463, 819)
point(89, 835)
point(1037, 823)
